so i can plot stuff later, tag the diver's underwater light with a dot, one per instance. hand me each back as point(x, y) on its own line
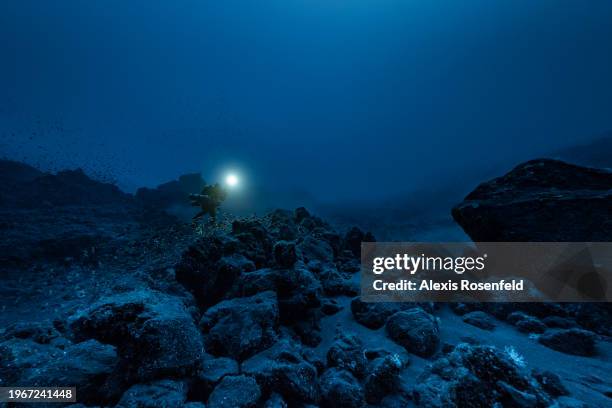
point(231, 180)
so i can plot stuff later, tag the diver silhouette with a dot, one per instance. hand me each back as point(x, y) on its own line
point(208, 200)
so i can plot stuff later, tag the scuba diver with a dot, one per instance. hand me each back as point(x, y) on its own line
point(208, 200)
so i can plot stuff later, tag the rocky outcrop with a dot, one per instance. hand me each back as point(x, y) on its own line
point(153, 332)
point(478, 376)
point(540, 200)
point(172, 193)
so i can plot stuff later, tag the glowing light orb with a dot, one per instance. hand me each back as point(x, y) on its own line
point(231, 180)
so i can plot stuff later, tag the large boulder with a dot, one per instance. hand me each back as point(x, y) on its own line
point(88, 365)
point(153, 332)
point(540, 200)
point(416, 330)
point(241, 327)
point(284, 369)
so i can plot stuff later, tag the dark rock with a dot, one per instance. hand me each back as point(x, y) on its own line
point(203, 272)
point(463, 308)
point(314, 249)
point(235, 392)
point(530, 324)
point(335, 283)
point(514, 397)
point(283, 369)
point(515, 317)
point(255, 240)
point(252, 283)
point(212, 371)
point(301, 213)
point(308, 330)
point(540, 200)
point(285, 254)
point(596, 317)
point(275, 401)
point(299, 292)
point(550, 382)
point(88, 365)
point(383, 378)
point(570, 341)
point(353, 239)
point(172, 193)
point(558, 322)
point(153, 331)
point(330, 307)
point(241, 327)
point(339, 389)
point(157, 394)
point(477, 376)
point(40, 332)
point(416, 330)
point(374, 315)
point(194, 405)
point(479, 319)
point(297, 289)
point(542, 309)
point(25, 187)
point(313, 358)
point(347, 353)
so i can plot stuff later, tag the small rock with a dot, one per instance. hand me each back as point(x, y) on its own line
point(330, 307)
point(570, 341)
point(530, 325)
point(479, 319)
